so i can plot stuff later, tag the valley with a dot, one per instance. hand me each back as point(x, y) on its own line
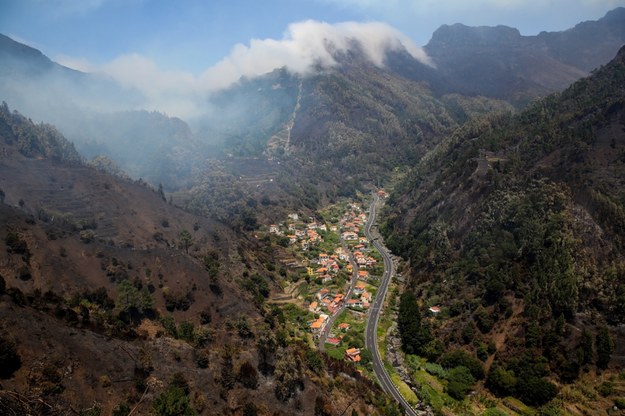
point(387, 230)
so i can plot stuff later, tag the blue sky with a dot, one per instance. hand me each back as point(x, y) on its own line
point(177, 51)
point(192, 35)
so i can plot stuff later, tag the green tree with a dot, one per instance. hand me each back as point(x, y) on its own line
point(185, 240)
point(414, 336)
point(460, 382)
point(173, 402)
point(605, 347)
point(500, 381)
point(585, 350)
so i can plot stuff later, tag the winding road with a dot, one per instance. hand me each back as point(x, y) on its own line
point(371, 341)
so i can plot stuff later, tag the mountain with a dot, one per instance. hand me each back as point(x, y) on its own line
point(330, 123)
point(514, 226)
point(113, 299)
point(500, 62)
point(87, 108)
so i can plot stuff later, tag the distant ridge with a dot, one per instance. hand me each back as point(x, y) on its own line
point(500, 62)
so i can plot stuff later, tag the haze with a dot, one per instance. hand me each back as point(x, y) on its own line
point(174, 55)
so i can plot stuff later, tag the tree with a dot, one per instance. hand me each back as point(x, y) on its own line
point(605, 347)
point(501, 381)
point(414, 336)
point(173, 402)
point(460, 382)
point(585, 350)
point(186, 240)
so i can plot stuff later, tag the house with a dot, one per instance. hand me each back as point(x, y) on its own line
point(313, 307)
point(349, 268)
point(334, 228)
point(294, 217)
point(292, 239)
point(273, 228)
point(322, 270)
point(359, 288)
point(344, 326)
point(363, 240)
point(323, 258)
point(319, 324)
point(435, 309)
point(326, 278)
point(354, 303)
point(333, 341)
point(363, 274)
point(322, 293)
point(300, 233)
point(322, 227)
point(353, 354)
point(349, 236)
point(305, 245)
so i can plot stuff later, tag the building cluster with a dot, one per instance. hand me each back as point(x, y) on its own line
point(304, 234)
point(324, 268)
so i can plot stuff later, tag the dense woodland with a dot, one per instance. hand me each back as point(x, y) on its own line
point(515, 225)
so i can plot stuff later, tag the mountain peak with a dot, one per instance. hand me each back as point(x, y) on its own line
point(462, 35)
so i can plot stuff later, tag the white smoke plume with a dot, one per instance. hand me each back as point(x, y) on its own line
point(303, 47)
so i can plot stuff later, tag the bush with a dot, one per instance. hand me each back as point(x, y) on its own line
point(460, 382)
point(606, 388)
point(461, 358)
point(173, 402)
point(248, 376)
point(501, 381)
point(10, 361)
point(536, 391)
point(620, 403)
point(122, 409)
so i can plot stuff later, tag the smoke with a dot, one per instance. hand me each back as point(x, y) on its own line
point(304, 47)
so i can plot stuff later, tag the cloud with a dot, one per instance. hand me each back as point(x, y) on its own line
point(304, 47)
point(307, 45)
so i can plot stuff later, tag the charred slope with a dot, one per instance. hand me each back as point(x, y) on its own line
point(110, 297)
point(515, 225)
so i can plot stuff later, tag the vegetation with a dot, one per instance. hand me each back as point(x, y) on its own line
point(499, 224)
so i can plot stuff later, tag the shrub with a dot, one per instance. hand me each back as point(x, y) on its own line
point(606, 388)
point(536, 391)
point(461, 358)
point(10, 361)
point(173, 402)
point(460, 382)
point(501, 381)
point(248, 376)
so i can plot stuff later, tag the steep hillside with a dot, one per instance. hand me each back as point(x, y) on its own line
point(500, 62)
point(113, 299)
point(514, 225)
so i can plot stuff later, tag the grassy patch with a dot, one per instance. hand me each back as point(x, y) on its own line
point(403, 388)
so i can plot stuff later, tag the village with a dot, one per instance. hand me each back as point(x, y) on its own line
point(340, 273)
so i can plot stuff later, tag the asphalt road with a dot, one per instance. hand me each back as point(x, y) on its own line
point(321, 344)
point(371, 341)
